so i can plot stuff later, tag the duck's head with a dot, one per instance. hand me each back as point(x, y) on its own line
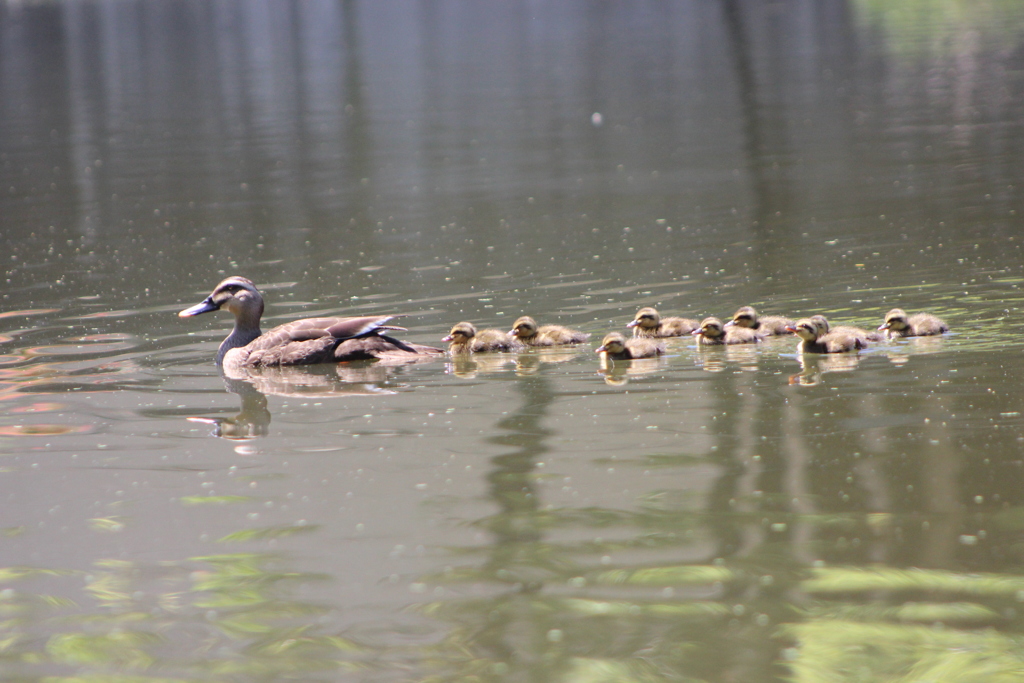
point(613, 343)
point(895, 320)
point(236, 294)
point(807, 329)
point(461, 333)
point(524, 327)
point(746, 316)
point(645, 317)
point(712, 328)
point(820, 324)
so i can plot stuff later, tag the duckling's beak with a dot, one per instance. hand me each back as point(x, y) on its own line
point(697, 332)
point(205, 306)
point(449, 338)
point(731, 323)
point(790, 329)
point(633, 323)
point(600, 349)
point(883, 326)
point(514, 332)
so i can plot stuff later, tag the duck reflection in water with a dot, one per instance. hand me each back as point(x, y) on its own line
point(813, 366)
point(360, 378)
point(622, 358)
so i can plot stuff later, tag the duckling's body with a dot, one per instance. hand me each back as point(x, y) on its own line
point(897, 325)
point(649, 323)
point(816, 336)
point(615, 346)
point(465, 338)
point(528, 332)
point(849, 330)
point(301, 342)
point(713, 333)
point(765, 326)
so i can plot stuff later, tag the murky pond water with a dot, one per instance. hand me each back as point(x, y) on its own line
point(737, 514)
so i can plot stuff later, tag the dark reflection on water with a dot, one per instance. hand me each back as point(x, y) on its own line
point(715, 514)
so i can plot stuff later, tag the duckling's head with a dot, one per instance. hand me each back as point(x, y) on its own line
point(236, 294)
point(807, 329)
point(820, 324)
point(461, 333)
point(712, 328)
point(647, 318)
point(613, 343)
point(524, 328)
point(895, 320)
point(745, 316)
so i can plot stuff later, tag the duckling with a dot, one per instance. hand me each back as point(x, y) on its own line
point(615, 346)
point(816, 337)
point(825, 328)
point(527, 331)
point(766, 326)
point(649, 323)
point(301, 342)
point(713, 333)
point(464, 338)
point(898, 325)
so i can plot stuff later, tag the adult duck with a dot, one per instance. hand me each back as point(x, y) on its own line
point(649, 323)
point(767, 326)
point(528, 332)
point(301, 342)
point(464, 338)
point(615, 346)
point(713, 333)
point(897, 324)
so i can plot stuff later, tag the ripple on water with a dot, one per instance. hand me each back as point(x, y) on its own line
point(43, 429)
point(90, 344)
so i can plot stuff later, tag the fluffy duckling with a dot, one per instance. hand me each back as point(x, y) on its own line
point(527, 331)
point(464, 338)
point(301, 342)
point(713, 333)
point(649, 323)
point(615, 346)
point(816, 337)
point(897, 324)
point(766, 326)
point(822, 323)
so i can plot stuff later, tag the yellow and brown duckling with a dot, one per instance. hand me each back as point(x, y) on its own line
point(868, 336)
point(897, 324)
point(301, 342)
point(616, 346)
point(713, 333)
point(528, 332)
point(649, 323)
point(765, 326)
point(817, 337)
point(465, 338)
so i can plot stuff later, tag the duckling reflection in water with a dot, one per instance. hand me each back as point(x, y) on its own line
point(766, 326)
point(712, 333)
point(301, 342)
point(816, 337)
point(813, 366)
point(897, 325)
point(615, 346)
point(649, 323)
point(464, 338)
point(528, 332)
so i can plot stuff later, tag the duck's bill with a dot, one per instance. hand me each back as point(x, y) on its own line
point(731, 323)
point(883, 327)
point(205, 306)
point(632, 323)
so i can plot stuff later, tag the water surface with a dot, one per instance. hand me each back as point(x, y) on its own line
point(719, 514)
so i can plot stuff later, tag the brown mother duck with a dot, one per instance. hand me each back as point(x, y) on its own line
point(464, 338)
point(615, 346)
point(897, 324)
point(766, 326)
point(816, 337)
point(649, 323)
point(528, 332)
point(301, 342)
point(713, 333)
